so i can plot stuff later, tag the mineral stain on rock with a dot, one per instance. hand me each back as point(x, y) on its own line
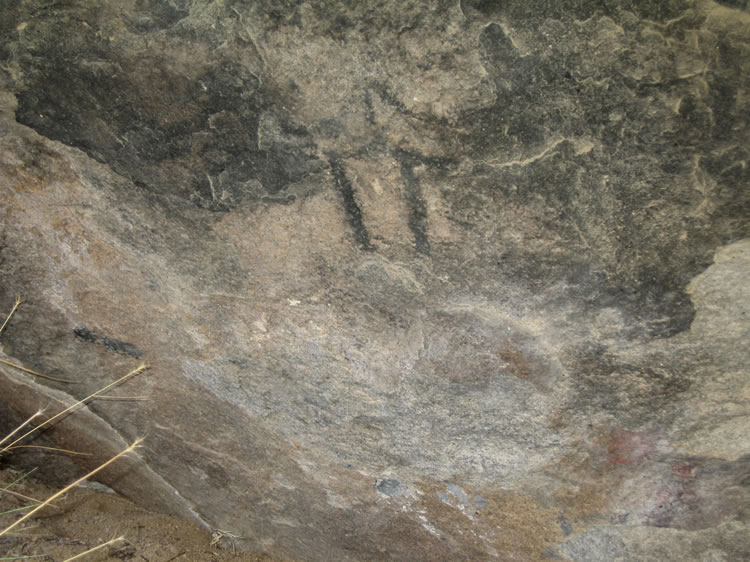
point(391, 487)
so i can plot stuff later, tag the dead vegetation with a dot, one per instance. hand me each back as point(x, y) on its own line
point(31, 506)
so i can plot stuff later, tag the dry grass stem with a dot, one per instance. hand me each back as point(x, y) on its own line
point(124, 398)
point(7, 489)
point(18, 532)
point(90, 550)
point(16, 365)
point(219, 535)
point(16, 509)
point(67, 488)
point(77, 404)
point(24, 430)
point(53, 449)
point(17, 480)
point(35, 373)
point(20, 427)
point(22, 496)
point(10, 315)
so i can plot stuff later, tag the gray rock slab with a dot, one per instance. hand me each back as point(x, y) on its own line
point(416, 281)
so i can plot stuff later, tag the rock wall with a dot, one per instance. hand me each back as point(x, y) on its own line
point(416, 280)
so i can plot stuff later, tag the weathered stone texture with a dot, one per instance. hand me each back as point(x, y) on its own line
point(417, 280)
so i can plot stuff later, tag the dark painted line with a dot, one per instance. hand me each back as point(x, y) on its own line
point(369, 108)
point(111, 344)
point(353, 212)
point(417, 208)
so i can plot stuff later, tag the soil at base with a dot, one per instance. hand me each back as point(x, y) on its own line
point(85, 518)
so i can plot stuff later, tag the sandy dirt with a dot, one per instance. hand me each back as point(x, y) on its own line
point(86, 518)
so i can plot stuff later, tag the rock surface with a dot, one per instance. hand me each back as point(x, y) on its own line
point(447, 280)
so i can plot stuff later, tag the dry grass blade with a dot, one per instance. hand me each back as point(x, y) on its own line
point(219, 535)
point(11, 313)
point(25, 432)
point(16, 365)
point(7, 489)
point(22, 496)
point(35, 373)
point(52, 449)
point(22, 508)
point(22, 477)
point(20, 427)
point(124, 398)
point(53, 497)
point(20, 532)
point(76, 405)
point(90, 550)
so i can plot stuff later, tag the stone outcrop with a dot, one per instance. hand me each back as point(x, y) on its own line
point(446, 280)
